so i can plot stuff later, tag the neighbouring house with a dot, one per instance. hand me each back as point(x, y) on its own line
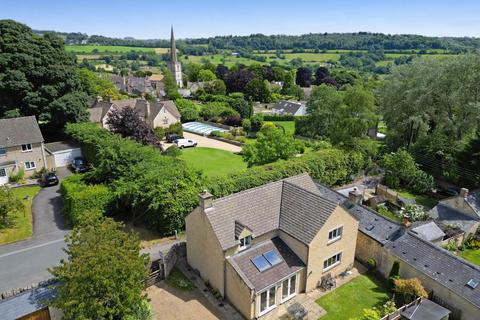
point(451, 281)
point(156, 114)
point(30, 305)
point(133, 85)
point(21, 147)
point(429, 231)
point(462, 211)
point(61, 153)
point(263, 246)
point(292, 108)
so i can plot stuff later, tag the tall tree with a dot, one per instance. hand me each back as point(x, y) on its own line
point(38, 77)
point(127, 123)
point(9, 203)
point(304, 77)
point(104, 274)
point(258, 90)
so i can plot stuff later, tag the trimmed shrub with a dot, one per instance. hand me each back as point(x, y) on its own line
point(173, 151)
point(17, 177)
point(371, 264)
point(394, 274)
point(80, 198)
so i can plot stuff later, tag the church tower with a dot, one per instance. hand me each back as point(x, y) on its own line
point(174, 65)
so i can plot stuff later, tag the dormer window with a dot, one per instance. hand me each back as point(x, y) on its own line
point(245, 242)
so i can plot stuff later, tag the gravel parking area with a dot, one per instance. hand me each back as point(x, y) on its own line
point(172, 304)
point(209, 143)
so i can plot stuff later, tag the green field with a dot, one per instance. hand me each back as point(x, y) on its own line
point(471, 255)
point(289, 126)
point(88, 49)
point(213, 162)
point(20, 227)
point(348, 301)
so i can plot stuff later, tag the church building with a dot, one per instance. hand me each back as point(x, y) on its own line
point(174, 65)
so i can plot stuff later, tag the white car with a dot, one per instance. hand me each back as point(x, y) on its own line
point(185, 143)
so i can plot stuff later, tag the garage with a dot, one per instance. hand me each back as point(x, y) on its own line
point(61, 153)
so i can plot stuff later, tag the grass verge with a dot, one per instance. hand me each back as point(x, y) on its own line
point(178, 280)
point(21, 226)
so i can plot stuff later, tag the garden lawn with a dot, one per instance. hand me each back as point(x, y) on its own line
point(349, 300)
point(422, 199)
point(213, 162)
point(178, 280)
point(472, 255)
point(86, 49)
point(21, 223)
point(289, 126)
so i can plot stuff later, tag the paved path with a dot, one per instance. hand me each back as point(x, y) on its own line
point(26, 262)
point(210, 143)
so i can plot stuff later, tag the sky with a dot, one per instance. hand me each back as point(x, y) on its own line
point(143, 19)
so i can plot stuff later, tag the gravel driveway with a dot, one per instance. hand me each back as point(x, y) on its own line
point(209, 143)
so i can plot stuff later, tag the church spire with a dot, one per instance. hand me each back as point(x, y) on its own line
point(173, 48)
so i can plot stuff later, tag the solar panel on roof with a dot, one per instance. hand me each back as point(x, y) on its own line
point(261, 263)
point(272, 257)
point(472, 283)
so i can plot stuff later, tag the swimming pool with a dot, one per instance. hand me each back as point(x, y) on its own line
point(201, 128)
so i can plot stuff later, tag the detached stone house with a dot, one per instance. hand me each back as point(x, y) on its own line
point(262, 246)
point(157, 114)
point(21, 147)
point(293, 108)
point(462, 211)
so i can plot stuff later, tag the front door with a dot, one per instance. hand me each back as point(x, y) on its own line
point(3, 176)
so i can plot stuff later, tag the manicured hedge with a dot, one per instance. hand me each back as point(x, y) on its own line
point(80, 198)
point(329, 166)
point(158, 189)
point(278, 117)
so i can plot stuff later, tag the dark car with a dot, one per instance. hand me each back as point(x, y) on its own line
point(172, 137)
point(79, 165)
point(449, 192)
point(50, 179)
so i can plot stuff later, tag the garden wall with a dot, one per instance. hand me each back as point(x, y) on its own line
point(161, 268)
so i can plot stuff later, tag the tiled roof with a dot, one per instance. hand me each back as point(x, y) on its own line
point(371, 223)
point(288, 107)
point(257, 280)
point(25, 303)
point(439, 264)
point(18, 131)
point(61, 146)
point(425, 310)
point(261, 210)
point(451, 216)
point(429, 231)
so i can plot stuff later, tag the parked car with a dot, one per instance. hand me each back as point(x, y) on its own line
point(449, 192)
point(171, 137)
point(79, 165)
point(185, 143)
point(50, 179)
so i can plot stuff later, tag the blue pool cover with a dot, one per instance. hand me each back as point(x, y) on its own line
point(201, 128)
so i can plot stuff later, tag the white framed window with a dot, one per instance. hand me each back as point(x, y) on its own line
point(26, 147)
point(289, 288)
point(30, 165)
point(165, 120)
point(335, 234)
point(332, 261)
point(3, 152)
point(245, 242)
point(267, 300)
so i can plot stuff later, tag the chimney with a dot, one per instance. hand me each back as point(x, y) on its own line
point(464, 192)
point(355, 197)
point(110, 99)
point(98, 99)
point(205, 200)
point(405, 221)
point(147, 110)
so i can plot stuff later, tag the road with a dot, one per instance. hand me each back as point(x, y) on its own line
point(26, 262)
point(206, 142)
